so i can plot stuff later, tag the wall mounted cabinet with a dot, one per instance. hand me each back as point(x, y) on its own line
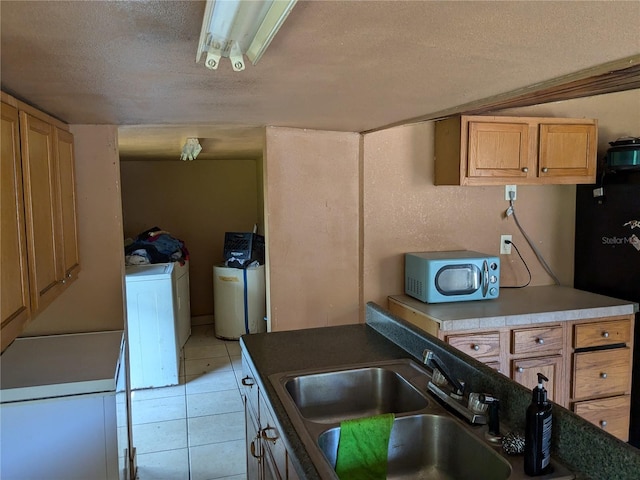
point(15, 298)
point(487, 150)
point(39, 232)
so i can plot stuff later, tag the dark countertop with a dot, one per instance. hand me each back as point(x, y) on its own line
point(581, 446)
point(306, 349)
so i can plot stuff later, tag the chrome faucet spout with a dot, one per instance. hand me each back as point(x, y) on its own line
point(430, 360)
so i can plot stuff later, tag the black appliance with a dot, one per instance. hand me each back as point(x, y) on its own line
point(607, 255)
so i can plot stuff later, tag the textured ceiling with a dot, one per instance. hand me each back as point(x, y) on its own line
point(335, 65)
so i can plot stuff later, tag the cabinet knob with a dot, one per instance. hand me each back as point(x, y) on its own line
point(603, 423)
point(605, 334)
point(545, 169)
point(520, 369)
point(525, 169)
point(475, 347)
point(63, 281)
point(248, 381)
point(603, 375)
point(540, 341)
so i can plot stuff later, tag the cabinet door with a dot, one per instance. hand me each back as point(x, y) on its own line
point(499, 150)
point(525, 373)
point(275, 451)
point(41, 207)
point(67, 188)
point(270, 470)
point(254, 448)
point(567, 150)
point(14, 297)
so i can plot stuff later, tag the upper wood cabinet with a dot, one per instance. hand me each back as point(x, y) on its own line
point(486, 150)
point(39, 232)
point(14, 286)
point(67, 194)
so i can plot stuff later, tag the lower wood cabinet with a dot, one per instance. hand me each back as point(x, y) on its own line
point(267, 456)
point(601, 362)
point(611, 414)
point(254, 448)
point(601, 373)
point(525, 372)
point(588, 362)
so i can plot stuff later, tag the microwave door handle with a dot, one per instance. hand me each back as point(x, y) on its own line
point(485, 278)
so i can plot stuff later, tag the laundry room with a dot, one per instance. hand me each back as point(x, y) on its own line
point(193, 201)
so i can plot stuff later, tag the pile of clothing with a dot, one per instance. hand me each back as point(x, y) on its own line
point(154, 246)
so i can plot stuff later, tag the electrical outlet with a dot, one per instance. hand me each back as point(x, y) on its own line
point(505, 248)
point(508, 189)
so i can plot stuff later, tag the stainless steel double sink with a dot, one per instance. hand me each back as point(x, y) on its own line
point(426, 440)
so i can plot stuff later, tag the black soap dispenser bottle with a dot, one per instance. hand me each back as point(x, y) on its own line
point(537, 437)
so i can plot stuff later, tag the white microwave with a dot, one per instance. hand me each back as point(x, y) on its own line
point(453, 276)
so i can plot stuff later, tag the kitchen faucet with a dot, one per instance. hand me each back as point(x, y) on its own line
point(430, 360)
point(455, 398)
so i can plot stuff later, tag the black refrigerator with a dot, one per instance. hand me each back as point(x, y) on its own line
point(607, 256)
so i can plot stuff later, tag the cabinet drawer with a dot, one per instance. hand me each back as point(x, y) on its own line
point(249, 385)
point(610, 414)
point(605, 372)
point(602, 333)
point(537, 340)
point(477, 345)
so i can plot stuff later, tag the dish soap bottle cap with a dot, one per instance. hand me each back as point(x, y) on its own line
point(539, 392)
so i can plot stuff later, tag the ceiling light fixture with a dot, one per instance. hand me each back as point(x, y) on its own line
point(191, 149)
point(233, 28)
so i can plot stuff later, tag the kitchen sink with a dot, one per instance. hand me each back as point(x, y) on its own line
point(331, 397)
point(427, 440)
point(431, 446)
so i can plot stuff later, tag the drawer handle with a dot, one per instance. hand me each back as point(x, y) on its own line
point(520, 369)
point(475, 347)
point(253, 448)
point(545, 169)
point(603, 423)
point(267, 437)
point(605, 334)
point(248, 381)
point(525, 169)
point(540, 341)
point(603, 375)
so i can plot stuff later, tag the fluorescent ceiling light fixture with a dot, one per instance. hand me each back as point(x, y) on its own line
point(191, 149)
point(233, 28)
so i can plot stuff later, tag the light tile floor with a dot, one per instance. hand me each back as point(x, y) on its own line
point(194, 430)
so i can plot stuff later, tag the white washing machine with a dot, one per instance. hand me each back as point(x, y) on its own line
point(239, 298)
point(158, 322)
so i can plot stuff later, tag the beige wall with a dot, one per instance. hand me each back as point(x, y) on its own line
point(197, 202)
point(403, 211)
point(311, 202)
point(94, 301)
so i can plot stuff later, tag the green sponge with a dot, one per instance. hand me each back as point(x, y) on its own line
point(363, 448)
